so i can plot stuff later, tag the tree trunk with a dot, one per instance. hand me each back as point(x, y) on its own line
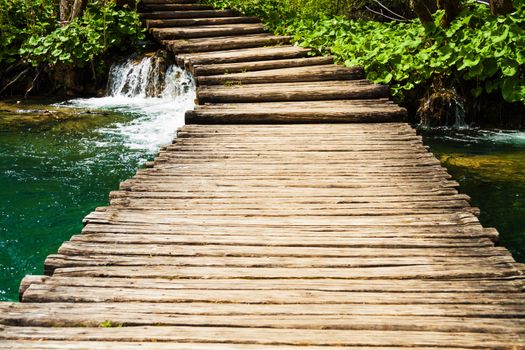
point(422, 11)
point(501, 7)
point(452, 9)
point(78, 7)
point(65, 10)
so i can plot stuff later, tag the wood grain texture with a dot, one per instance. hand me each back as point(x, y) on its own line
point(294, 211)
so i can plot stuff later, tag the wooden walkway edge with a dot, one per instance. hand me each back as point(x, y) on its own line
point(295, 210)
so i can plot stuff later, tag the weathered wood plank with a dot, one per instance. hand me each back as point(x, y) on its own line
point(187, 14)
point(19, 311)
point(322, 284)
point(239, 67)
point(86, 248)
point(332, 90)
point(190, 22)
point(207, 31)
point(241, 55)
point(268, 336)
point(176, 7)
point(225, 43)
point(285, 75)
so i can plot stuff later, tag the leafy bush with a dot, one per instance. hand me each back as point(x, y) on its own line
point(30, 31)
point(486, 51)
point(19, 19)
point(101, 27)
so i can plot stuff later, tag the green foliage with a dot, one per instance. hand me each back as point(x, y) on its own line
point(19, 19)
point(101, 27)
point(30, 30)
point(486, 51)
point(109, 324)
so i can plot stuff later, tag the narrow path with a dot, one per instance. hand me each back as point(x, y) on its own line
point(295, 210)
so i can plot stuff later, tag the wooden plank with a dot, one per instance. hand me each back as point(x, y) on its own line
point(187, 14)
point(148, 2)
point(64, 261)
point(206, 31)
point(241, 55)
point(86, 248)
point(44, 293)
point(239, 67)
point(13, 312)
point(100, 345)
point(175, 7)
point(341, 322)
point(268, 336)
point(322, 284)
point(333, 90)
point(225, 43)
point(285, 75)
point(190, 22)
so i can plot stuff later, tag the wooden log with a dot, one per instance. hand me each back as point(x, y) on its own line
point(242, 55)
point(190, 22)
point(147, 2)
point(170, 7)
point(322, 284)
point(332, 90)
point(358, 114)
point(103, 345)
point(267, 336)
point(187, 14)
point(27, 281)
point(240, 67)
point(285, 75)
point(48, 318)
point(206, 31)
point(45, 293)
point(225, 43)
point(64, 261)
point(284, 240)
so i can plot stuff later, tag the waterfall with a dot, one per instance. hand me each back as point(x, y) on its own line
point(151, 90)
point(148, 76)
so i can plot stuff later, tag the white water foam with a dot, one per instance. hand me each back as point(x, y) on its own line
point(157, 117)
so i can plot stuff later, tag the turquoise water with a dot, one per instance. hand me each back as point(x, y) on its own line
point(51, 175)
point(490, 166)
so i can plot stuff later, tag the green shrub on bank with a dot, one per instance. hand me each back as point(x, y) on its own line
point(487, 52)
point(20, 19)
point(30, 31)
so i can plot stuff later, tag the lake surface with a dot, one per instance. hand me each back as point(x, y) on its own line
point(58, 163)
point(490, 166)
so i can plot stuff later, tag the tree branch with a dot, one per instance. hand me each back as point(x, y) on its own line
point(382, 14)
point(389, 10)
point(20, 75)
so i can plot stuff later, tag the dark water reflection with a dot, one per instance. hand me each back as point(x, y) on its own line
point(490, 166)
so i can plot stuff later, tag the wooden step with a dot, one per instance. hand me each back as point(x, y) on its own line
point(242, 55)
point(331, 90)
point(225, 43)
point(165, 7)
point(339, 111)
point(190, 22)
point(243, 67)
point(187, 14)
point(253, 338)
point(150, 2)
point(207, 31)
point(285, 75)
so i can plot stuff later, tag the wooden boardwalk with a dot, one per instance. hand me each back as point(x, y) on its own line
point(307, 232)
